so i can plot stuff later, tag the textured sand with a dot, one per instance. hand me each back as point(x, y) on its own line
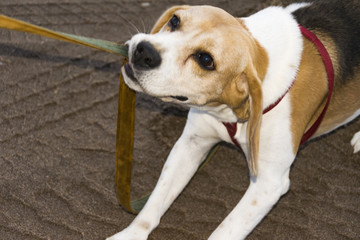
point(58, 106)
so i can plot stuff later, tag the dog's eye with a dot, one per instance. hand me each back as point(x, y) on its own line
point(174, 23)
point(205, 61)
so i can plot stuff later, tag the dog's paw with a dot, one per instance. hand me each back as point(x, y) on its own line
point(129, 234)
point(355, 142)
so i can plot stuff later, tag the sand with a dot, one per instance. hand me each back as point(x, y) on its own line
point(58, 106)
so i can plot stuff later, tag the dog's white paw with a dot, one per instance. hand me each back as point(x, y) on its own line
point(355, 142)
point(129, 234)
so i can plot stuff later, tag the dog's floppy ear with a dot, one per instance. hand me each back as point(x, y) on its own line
point(236, 96)
point(165, 17)
point(255, 116)
point(244, 95)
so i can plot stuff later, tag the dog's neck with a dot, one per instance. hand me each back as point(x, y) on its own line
point(278, 33)
point(222, 112)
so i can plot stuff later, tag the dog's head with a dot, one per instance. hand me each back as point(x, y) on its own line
point(201, 56)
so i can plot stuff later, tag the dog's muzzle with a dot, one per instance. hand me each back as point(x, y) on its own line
point(144, 58)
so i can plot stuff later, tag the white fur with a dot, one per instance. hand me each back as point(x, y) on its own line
point(275, 159)
point(295, 6)
point(278, 32)
point(156, 88)
point(355, 142)
point(222, 112)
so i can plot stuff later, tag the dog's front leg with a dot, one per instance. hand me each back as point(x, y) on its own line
point(182, 163)
point(263, 193)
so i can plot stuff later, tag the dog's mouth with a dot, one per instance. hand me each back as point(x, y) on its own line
point(180, 98)
point(130, 72)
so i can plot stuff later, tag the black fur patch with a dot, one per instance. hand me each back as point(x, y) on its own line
point(341, 20)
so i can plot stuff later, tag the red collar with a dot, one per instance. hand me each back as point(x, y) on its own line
point(232, 127)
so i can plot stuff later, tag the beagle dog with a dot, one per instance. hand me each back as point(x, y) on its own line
point(229, 71)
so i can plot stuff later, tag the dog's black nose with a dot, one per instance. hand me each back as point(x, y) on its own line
point(145, 56)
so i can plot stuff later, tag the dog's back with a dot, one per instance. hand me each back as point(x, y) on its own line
point(339, 21)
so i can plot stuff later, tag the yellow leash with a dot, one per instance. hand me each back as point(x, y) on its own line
point(124, 148)
point(14, 24)
point(126, 108)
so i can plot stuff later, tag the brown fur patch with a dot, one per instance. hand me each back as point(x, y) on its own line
point(244, 93)
point(164, 19)
point(255, 118)
point(344, 103)
point(309, 93)
point(144, 225)
point(236, 95)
